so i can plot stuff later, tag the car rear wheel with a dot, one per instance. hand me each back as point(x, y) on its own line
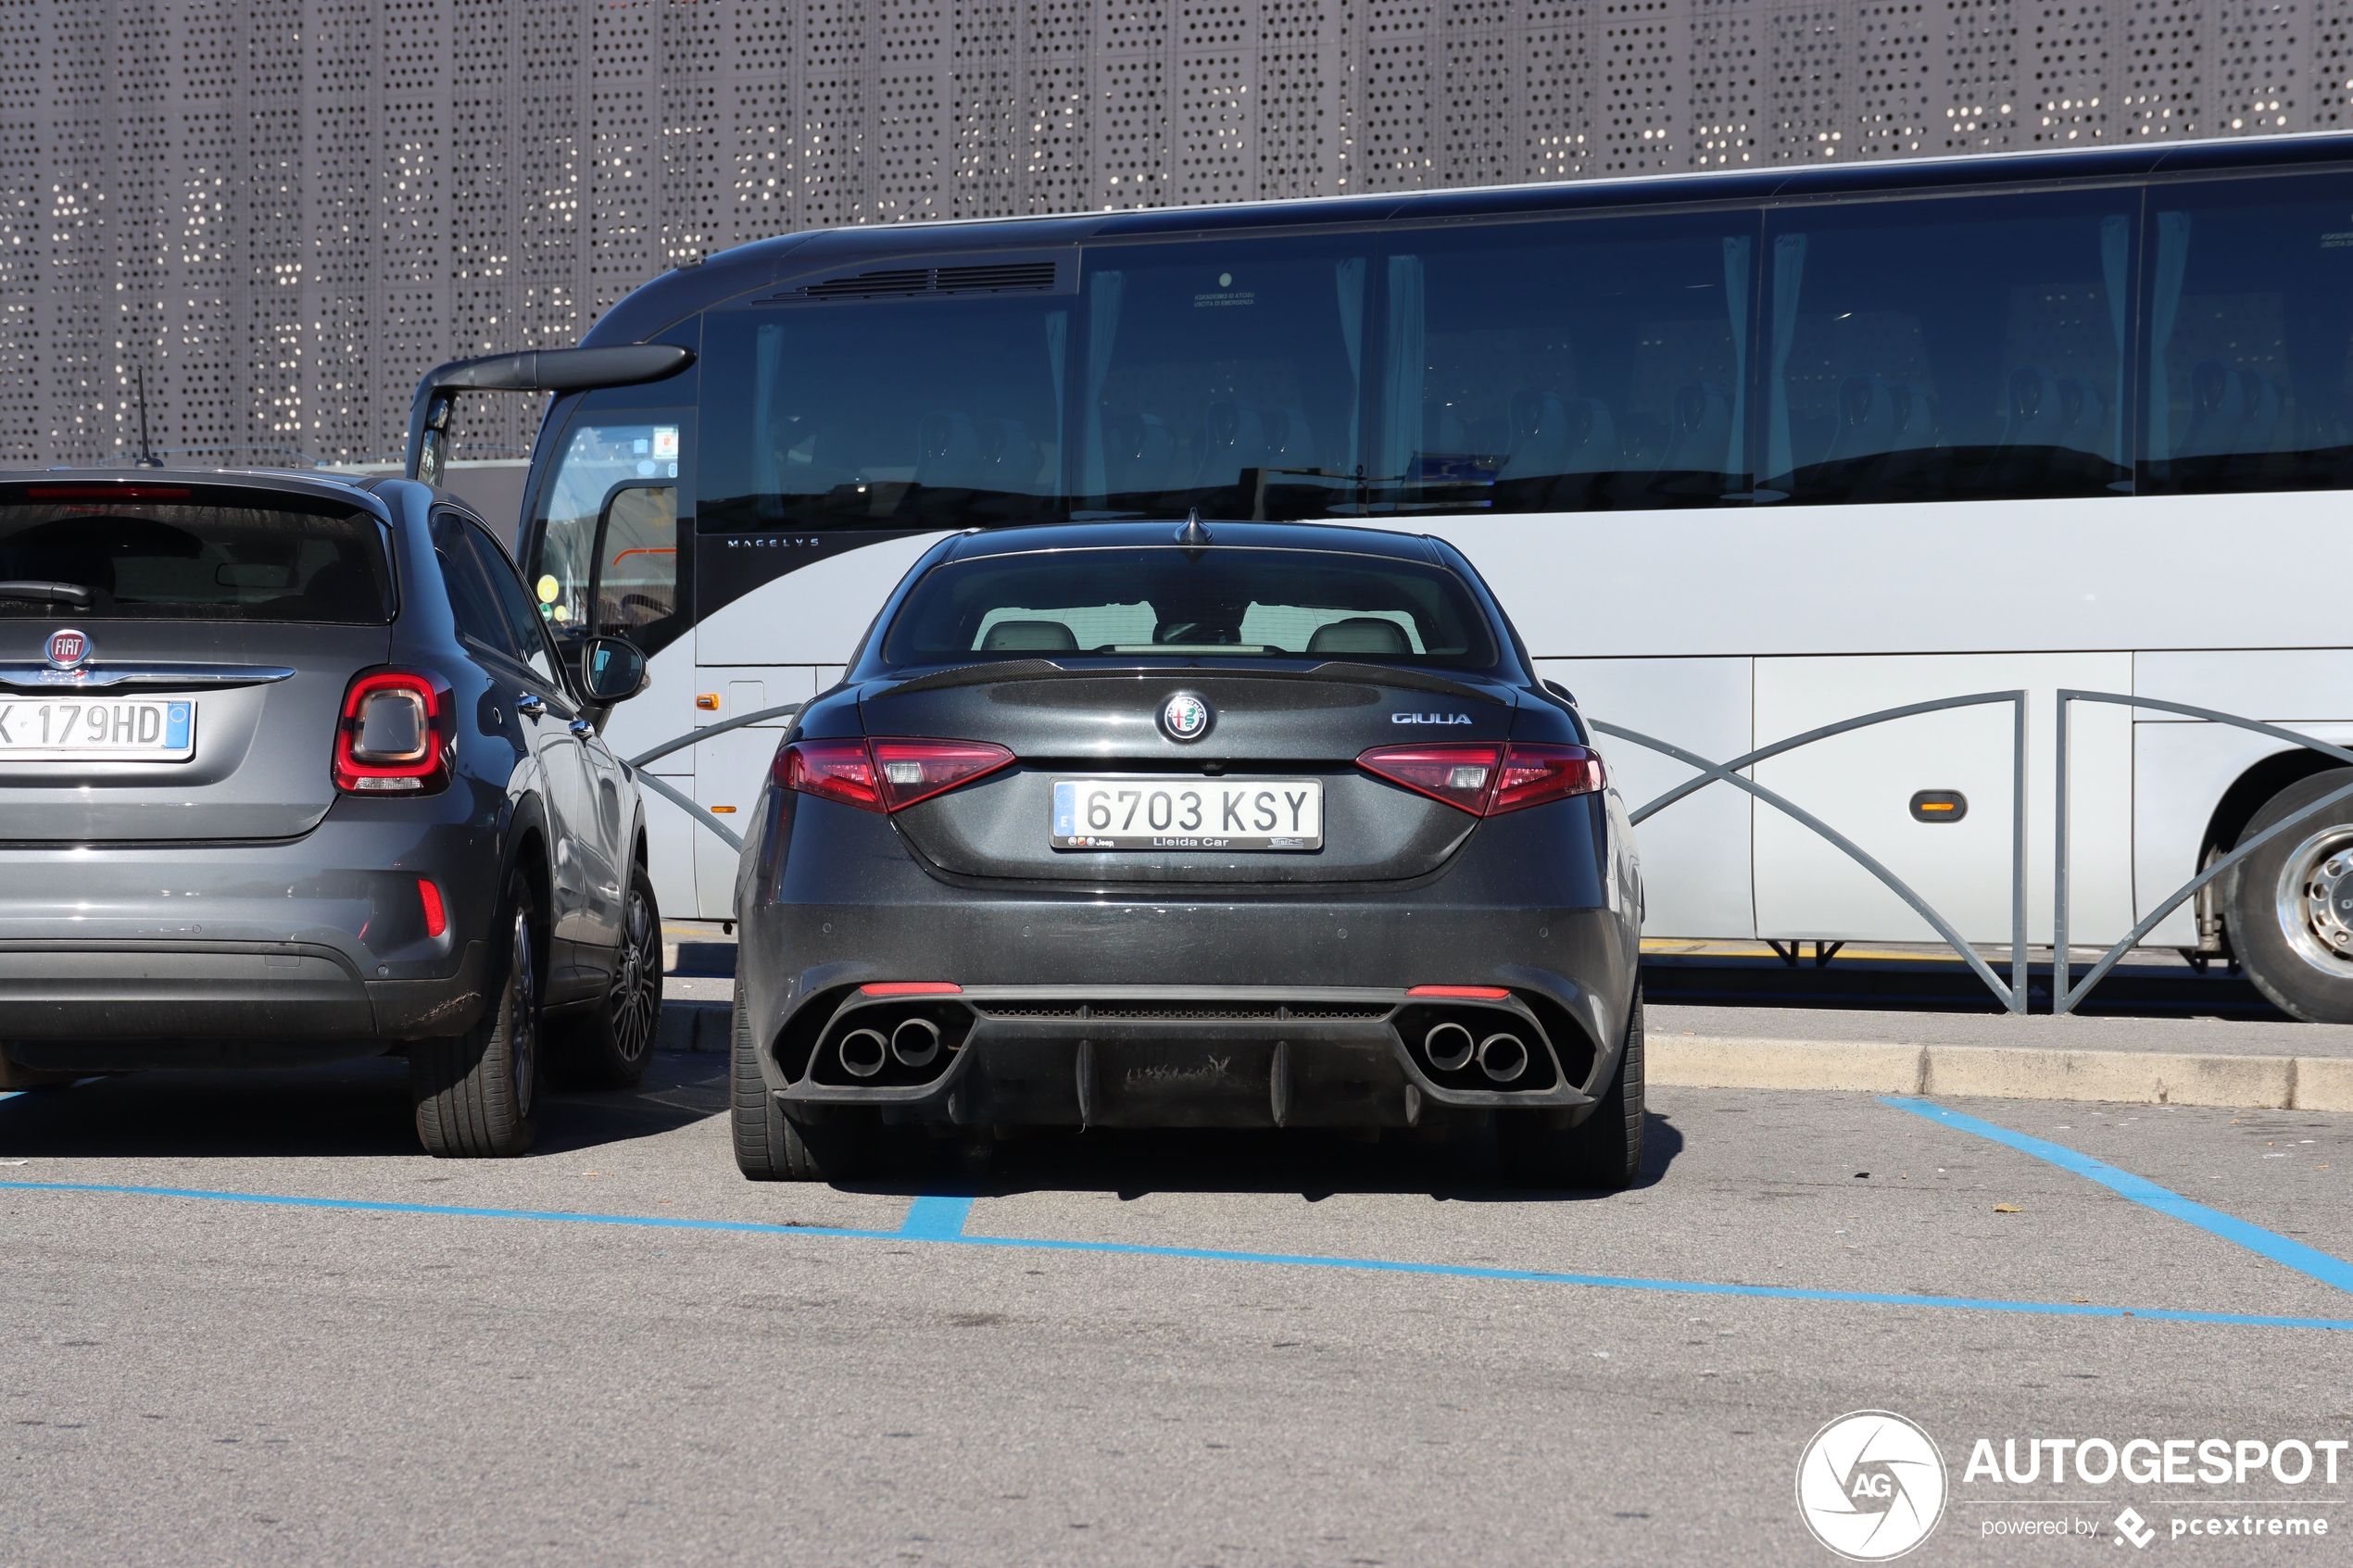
point(773, 1147)
point(610, 1045)
point(477, 1096)
point(1603, 1151)
point(2289, 905)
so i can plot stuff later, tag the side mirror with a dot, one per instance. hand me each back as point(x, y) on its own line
point(611, 670)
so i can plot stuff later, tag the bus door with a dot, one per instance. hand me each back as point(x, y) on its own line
point(609, 558)
point(1931, 797)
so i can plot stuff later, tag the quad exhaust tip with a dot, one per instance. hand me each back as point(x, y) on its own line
point(916, 1042)
point(1502, 1057)
point(1448, 1046)
point(864, 1051)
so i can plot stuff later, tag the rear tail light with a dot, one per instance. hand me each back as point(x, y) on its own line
point(396, 735)
point(834, 770)
point(436, 917)
point(885, 775)
point(1533, 774)
point(1488, 780)
point(1459, 774)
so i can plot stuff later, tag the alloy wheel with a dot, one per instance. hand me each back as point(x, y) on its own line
point(522, 1034)
point(636, 1002)
point(2315, 900)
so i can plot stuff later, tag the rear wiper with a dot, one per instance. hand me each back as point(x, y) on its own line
point(72, 593)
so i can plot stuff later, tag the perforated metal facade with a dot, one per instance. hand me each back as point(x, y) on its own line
point(278, 213)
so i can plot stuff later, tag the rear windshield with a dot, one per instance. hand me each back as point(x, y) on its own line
point(187, 560)
point(1220, 602)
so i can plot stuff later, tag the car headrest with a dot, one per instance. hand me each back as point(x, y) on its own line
point(1029, 637)
point(1359, 634)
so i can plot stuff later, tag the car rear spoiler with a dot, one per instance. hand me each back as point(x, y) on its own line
point(538, 369)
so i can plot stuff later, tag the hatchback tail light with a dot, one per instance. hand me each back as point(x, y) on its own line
point(1488, 780)
point(885, 775)
point(396, 735)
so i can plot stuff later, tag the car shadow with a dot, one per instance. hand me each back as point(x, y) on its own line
point(341, 1109)
point(1462, 1166)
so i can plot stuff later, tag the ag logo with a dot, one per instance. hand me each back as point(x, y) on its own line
point(1871, 1486)
point(69, 650)
point(1185, 716)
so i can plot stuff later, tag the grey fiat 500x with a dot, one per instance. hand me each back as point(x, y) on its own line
point(290, 773)
point(1246, 824)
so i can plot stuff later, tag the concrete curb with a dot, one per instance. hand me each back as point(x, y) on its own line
point(693, 1026)
point(2269, 1083)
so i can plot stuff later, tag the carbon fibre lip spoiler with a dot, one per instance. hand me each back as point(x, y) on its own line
point(1047, 669)
point(537, 369)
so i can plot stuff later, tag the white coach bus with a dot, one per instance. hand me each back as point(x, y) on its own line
point(1744, 454)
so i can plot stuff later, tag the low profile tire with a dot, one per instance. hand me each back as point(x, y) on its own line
point(2289, 906)
point(477, 1096)
point(610, 1045)
point(1604, 1152)
point(773, 1147)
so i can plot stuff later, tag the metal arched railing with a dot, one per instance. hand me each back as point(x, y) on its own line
point(676, 797)
point(2065, 993)
point(2014, 995)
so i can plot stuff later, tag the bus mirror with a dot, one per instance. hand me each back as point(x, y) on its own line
point(611, 670)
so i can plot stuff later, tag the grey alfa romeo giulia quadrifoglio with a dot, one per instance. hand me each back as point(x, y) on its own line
point(1159, 825)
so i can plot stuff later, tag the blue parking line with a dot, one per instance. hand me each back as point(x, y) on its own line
point(2255, 1238)
point(940, 1220)
point(937, 1219)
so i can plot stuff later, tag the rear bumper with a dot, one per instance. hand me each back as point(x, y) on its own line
point(188, 953)
point(1517, 911)
point(111, 1006)
point(1180, 1057)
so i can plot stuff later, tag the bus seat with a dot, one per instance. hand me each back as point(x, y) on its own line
point(2231, 411)
point(1138, 453)
point(948, 451)
point(1010, 459)
point(1701, 438)
point(1233, 438)
point(1029, 637)
point(1555, 435)
point(1877, 417)
point(1359, 634)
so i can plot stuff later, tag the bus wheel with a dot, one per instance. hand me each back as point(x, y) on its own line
point(2290, 904)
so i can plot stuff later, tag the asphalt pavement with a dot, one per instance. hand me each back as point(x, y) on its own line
point(301, 1341)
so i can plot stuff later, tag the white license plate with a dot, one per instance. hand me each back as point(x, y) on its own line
point(57, 729)
point(1182, 814)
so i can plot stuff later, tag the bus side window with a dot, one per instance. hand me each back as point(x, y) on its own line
point(2248, 372)
point(1934, 350)
point(1577, 366)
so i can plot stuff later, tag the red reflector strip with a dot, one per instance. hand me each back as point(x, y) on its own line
point(912, 988)
point(1463, 993)
point(436, 918)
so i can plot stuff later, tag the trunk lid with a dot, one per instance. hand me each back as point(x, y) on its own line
point(265, 700)
point(1263, 724)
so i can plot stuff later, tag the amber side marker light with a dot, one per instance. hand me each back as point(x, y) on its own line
point(1939, 806)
